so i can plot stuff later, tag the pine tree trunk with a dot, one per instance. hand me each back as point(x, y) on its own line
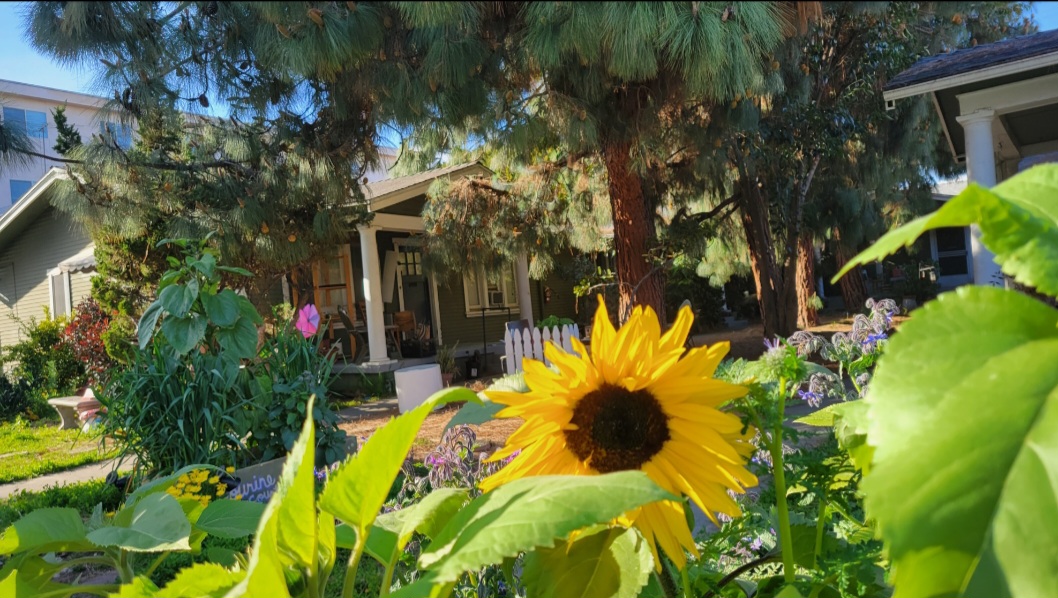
point(806, 287)
point(767, 273)
point(634, 235)
point(853, 289)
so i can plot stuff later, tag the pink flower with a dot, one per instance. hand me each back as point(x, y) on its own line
point(308, 320)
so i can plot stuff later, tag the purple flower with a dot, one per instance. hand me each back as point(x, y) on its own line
point(772, 343)
point(872, 340)
point(812, 398)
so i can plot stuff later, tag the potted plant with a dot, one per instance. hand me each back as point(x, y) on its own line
point(446, 358)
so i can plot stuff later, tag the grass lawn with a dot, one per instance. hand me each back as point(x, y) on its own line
point(30, 450)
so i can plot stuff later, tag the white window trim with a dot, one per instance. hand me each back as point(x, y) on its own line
point(67, 291)
point(510, 304)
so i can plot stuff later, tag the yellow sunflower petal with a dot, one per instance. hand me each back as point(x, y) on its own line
point(676, 336)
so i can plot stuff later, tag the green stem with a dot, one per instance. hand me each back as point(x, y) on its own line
point(387, 578)
point(155, 563)
point(124, 568)
point(354, 561)
point(779, 471)
point(820, 524)
point(686, 579)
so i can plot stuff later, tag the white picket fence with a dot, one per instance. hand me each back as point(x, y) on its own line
point(530, 343)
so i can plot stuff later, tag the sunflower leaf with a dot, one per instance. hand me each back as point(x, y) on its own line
point(613, 563)
point(532, 512)
point(963, 415)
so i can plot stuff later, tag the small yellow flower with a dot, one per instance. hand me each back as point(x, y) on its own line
point(238, 497)
point(221, 490)
point(214, 480)
point(204, 501)
point(229, 469)
point(184, 479)
point(173, 492)
point(194, 489)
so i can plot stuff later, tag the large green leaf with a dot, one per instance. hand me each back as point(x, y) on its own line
point(240, 339)
point(222, 309)
point(963, 415)
point(149, 319)
point(480, 409)
point(1018, 220)
point(227, 518)
point(614, 563)
point(45, 530)
point(30, 576)
point(532, 512)
point(185, 333)
point(177, 299)
point(392, 531)
point(153, 523)
point(850, 428)
point(286, 537)
point(356, 491)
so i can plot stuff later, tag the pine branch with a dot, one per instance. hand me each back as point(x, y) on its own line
point(155, 165)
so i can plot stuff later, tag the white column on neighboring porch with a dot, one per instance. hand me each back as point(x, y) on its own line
point(376, 326)
point(980, 169)
point(525, 298)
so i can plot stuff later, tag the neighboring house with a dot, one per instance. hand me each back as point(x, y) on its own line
point(46, 260)
point(998, 104)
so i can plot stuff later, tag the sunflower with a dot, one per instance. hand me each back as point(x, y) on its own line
point(637, 402)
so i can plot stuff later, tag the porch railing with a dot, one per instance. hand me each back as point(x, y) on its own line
point(529, 342)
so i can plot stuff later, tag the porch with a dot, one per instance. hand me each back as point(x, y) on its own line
point(376, 301)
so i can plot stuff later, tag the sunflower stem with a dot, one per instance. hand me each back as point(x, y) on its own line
point(349, 584)
point(686, 580)
point(779, 471)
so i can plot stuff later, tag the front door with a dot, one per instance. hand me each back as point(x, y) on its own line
point(413, 287)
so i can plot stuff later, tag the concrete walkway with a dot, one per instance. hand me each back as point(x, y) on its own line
point(88, 473)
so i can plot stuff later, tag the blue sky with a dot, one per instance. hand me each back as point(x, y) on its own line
point(19, 62)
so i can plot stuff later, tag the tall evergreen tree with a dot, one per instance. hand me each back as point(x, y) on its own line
point(822, 158)
point(607, 83)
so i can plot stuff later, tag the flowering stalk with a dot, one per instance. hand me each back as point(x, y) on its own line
point(775, 448)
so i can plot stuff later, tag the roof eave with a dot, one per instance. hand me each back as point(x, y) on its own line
point(992, 72)
point(11, 216)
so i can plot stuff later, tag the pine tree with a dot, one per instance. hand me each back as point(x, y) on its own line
point(623, 86)
point(66, 136)
point(822, 159)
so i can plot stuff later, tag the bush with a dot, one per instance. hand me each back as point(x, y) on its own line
point(46, 364)
point(82, 497)
point(684, 284)
point(14, 398)
point(84, 337)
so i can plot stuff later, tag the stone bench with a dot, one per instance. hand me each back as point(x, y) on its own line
point(70, 408)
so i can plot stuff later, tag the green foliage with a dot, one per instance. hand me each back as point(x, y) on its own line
point(67, 137)
point(553, 321)
point(446, 358)
point(14, 398)
point(32, 450)
point(965, 536)
point(607, 563)
point(684, 284)
point(290, 370)
point(44, 362)
point(81, 497)
point(151, 520)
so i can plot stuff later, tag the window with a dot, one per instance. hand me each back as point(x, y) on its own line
point(121, 133)
point(32, 123)
point(18, 189)
point(490, 291)
point(951, 251)
point(59, 289)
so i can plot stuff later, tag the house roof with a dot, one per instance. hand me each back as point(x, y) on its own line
point(31, 205)
point(976, 59)
point(377, 190)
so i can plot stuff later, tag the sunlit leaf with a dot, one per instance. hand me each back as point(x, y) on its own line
point(614, 563)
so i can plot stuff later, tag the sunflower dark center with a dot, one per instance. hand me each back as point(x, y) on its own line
point(617, 429)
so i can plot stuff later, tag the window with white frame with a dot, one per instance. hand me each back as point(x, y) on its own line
point(59, 291)
point(31, 122)
point(490, 291)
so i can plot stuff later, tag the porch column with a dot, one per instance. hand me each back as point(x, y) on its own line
point(525, 298)
point(376, 326)
point(981, 169)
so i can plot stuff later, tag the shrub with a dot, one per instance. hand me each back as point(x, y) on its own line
point(119, 340)
point(684, 284)
point(84, 337)
point(45, 363)
point(81, 497)
point(14, 398)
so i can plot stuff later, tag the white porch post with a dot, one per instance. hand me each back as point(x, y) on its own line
point(525, 298)
point(376, 327)
point(980, 169)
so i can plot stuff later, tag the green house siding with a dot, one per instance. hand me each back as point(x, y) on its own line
point(456, 326)
point(24, 291)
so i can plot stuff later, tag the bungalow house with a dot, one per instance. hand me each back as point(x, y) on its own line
point(47, 261)
point(998, 104)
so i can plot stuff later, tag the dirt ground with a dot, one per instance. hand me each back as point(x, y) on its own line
point(490, 436)
point(747, 343)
